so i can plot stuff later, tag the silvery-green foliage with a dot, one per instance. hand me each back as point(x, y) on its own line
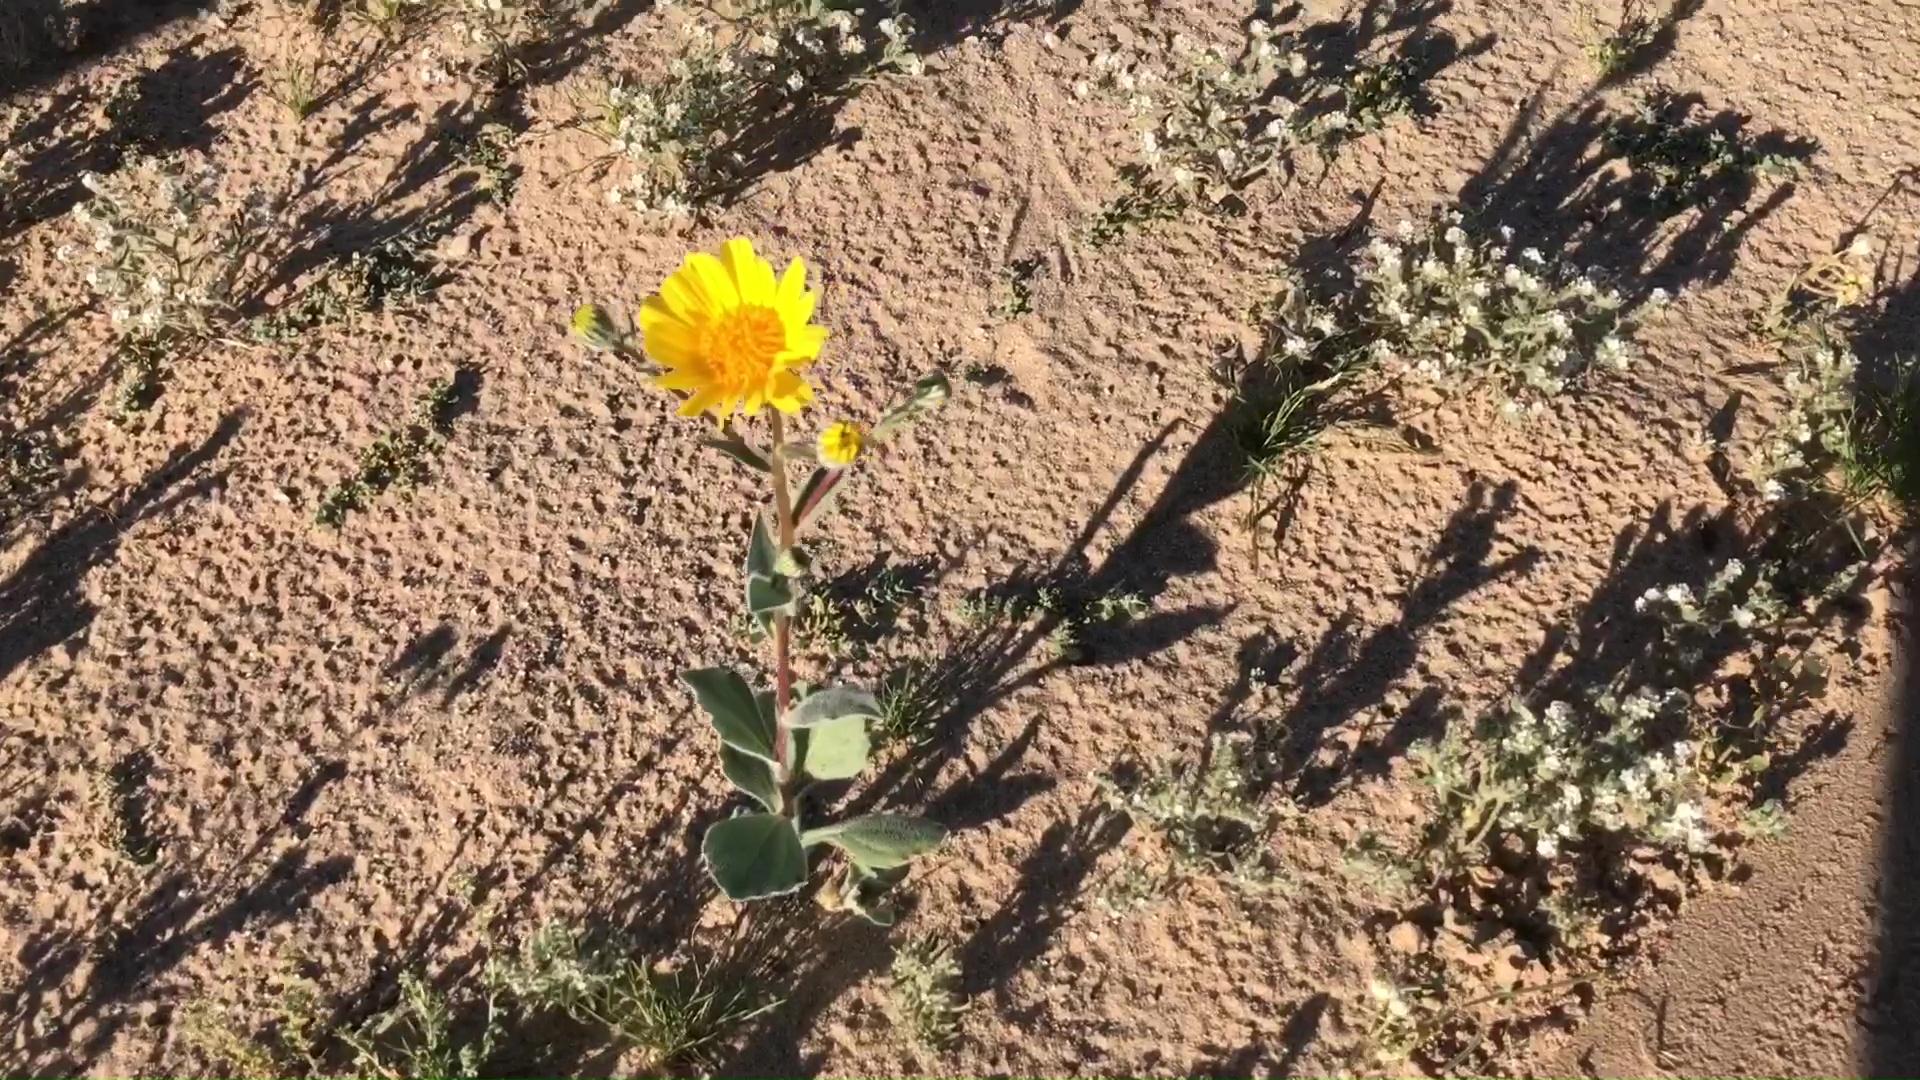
point(1452, 307)
point(1206, 813)
point(1567, 772)
point(164, 249)
point(675, 1013)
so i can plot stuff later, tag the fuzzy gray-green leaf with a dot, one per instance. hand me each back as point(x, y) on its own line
point(762, 552)
point(833, 703)
point(880, 841)
point(836, 750)
point(752, 775)
point(766, 595)
point(754, 856)
point(736, 715)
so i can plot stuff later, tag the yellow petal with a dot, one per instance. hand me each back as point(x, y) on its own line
point(756, 397)
point(803, 344)
point(788, 392)
point(711, 278)
point(793, 283)
point(682, 297)
point(799, 310)
point(752, 274)
point(700, 402)
point(687, 379)
point(665, 338)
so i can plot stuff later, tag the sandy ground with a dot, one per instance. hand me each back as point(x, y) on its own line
point(397, 743)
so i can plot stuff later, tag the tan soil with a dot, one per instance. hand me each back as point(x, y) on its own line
point(457, 718)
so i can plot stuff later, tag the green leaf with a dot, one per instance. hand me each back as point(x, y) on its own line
point(832, 751)
point(754, 856)
point(766, 595)
point(737, 448)
point(929, 393)
point(752, 775)
point(880, 841)
point(736, 716)
point(792, 562)
point(763, 554)
point(833, 703)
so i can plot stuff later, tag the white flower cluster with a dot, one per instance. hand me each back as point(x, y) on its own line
point(1729, 600)
point(1207, 128)
point(156, 257)
point(678, 128)
point(1565, 775)
point(1448, 306)
point(1815, 435)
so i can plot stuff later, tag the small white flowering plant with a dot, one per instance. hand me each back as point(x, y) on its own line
point(1450, 307)
point(680, 130)
point(1850, 437)
point(1565, 773)
point(163, 254)
point(1221, 120)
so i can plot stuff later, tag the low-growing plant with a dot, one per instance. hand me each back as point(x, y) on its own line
point(679, 131)
point(1450, 307)
point(1679, 161)
point(926, 991)
point(394, 273)
point(401, 459)
point(909, 707)
point(1831, 291)
point(489, 151)
point(1615, 49)
point(729, 338)
point(416, 1040)
point(1020, 275)
point(1206, 815)
point(166, 253)
point(393, 19)
point(1221, 121)
point(296, 87)
point(676, 1015)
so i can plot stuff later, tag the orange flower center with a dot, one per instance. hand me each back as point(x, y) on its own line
point(740, 346)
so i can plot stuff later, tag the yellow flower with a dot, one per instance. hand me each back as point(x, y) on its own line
point(841, 443)
point(730, 336)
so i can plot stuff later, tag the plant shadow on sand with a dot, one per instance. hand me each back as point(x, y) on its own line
point(179, 906)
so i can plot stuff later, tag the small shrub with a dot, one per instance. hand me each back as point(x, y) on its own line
point(680, 131)
point(1220, 122)
point(1679, 161)
point(1615, 50)
point(489, 151)
point(394, 273)
point(1850, 435)
point(1204, 814)
point(926, 991)
point(416, 1040)
point(401, 459)
point(166, 255)
point(675, 1015)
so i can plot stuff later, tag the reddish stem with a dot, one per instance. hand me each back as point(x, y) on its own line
point(782, 633)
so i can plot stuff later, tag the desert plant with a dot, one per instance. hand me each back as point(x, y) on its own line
point(1615, 49)
point(1221, 121)
point(926, 990)
point(416, 1040)
point(1205, 814)
point(1679, 161)
point(674, 1014)
point(296, 87)
point(730, 338)
point(166, 254)
point(402, 458)
point(1020, 275)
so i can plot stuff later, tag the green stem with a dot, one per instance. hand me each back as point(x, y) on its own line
point(782, 629)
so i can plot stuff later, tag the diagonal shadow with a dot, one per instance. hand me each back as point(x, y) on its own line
point(42, 603)
point(184, 907)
